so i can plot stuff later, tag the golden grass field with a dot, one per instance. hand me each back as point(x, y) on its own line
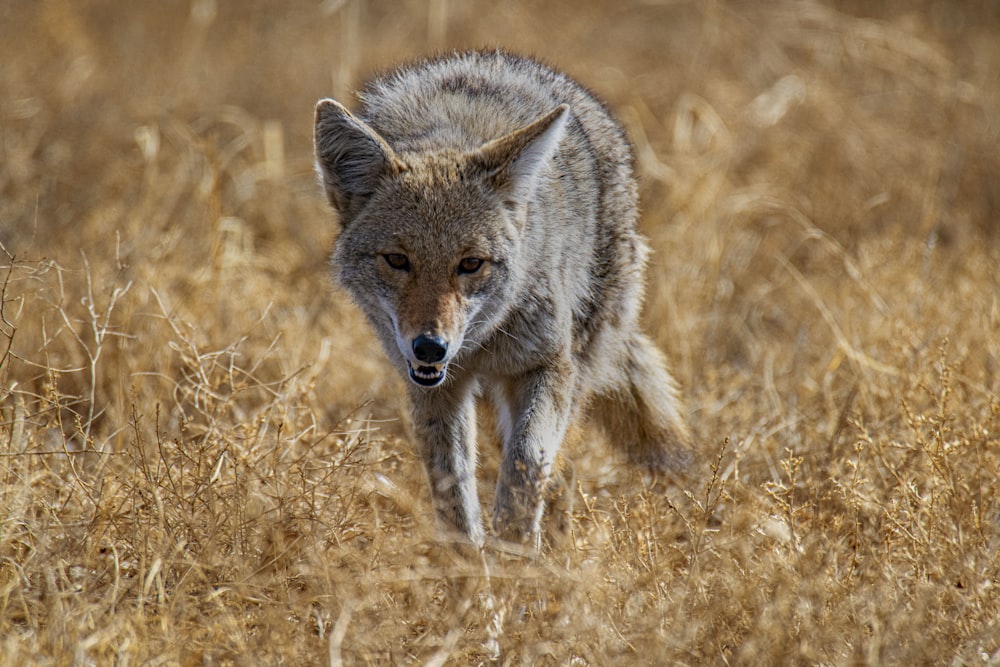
point(202, 460)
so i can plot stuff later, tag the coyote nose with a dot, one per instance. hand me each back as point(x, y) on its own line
point(429, 349)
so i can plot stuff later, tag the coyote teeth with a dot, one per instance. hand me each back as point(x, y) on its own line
point(427, 376)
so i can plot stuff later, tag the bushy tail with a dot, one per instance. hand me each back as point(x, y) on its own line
point(642, 415)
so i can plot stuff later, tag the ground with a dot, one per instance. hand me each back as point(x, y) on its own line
point(202, 460)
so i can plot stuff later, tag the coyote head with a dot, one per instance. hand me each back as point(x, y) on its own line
point(430, 240)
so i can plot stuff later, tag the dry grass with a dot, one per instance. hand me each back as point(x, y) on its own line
point(201, 460)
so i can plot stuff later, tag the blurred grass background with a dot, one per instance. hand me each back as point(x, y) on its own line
point(201, 456)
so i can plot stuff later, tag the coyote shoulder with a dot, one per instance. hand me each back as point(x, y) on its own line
point(487, 207)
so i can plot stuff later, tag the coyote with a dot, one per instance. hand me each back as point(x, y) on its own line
point(487, 209)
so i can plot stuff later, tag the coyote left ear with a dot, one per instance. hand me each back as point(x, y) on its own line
point(514, 163)
point(350, 156)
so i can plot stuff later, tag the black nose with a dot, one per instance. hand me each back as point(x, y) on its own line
point(429, 349)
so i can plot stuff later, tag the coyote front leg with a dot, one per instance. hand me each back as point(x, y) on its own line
point(444, 423)
point(534, 411)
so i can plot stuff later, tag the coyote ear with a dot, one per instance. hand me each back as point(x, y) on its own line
point(513, 163)
point(350, 156)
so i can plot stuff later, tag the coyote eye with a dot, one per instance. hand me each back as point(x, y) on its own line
point(397, 261)
point(470, 265)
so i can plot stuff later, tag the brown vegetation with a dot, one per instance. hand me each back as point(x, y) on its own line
point(201, 460)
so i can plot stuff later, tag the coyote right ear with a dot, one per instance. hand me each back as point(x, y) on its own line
point(350, 156)
point(514, 163)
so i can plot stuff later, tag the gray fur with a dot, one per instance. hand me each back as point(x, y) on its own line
point(490, 158)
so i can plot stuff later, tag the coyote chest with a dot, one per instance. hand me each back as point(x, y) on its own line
point(488, 212)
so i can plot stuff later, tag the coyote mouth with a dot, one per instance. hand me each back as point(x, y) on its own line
point(427, 376)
